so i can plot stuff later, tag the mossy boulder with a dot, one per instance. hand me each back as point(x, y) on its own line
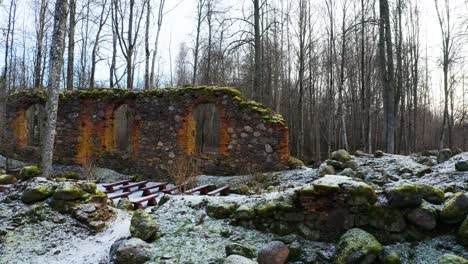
point(240, 249)
point(295, 163)
point(133, 251)
point(451, 259)
point(89, 187)
point(391, 257)
point(378, 153)
point(461, 165)
point(29, 172)
point(432, 194)
point(37, 194)
point(340, 155)
point(69, 192)
point(404, 196)
point(388, 219)
point(444, 155)
point(7, 179)
point(274, 206)
point(356, 192)
point(143, 226)
point(455, 209)
point(244, 212)
point(125, 204)
point(325, 169)
point(425, 216)
point(357, 246)
point(462, 233)
point(70, 175)
point(99, 197)
point(221, 210)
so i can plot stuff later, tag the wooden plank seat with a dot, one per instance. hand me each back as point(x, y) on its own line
point(110, 186)
point(223, 191)
point(204, 189)
point(173, 189)
point(138, 204)
point(119, 195)
point(140, 185)
point(159, 186)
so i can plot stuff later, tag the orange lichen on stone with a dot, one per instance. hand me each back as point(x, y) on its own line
point(283, 150)
point(108, 138)
point(85, 146)
point(224, 138)
point(186, 134)
point(20, 129)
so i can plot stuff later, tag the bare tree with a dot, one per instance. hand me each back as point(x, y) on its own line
point(71, 45)
point(56, 62)
point(156, 41)
point(40, 30)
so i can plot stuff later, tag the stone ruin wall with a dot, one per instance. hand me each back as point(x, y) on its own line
point(162, 128)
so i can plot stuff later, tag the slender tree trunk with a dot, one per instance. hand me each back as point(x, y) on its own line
point(71, 46)
point(156, 42)
point(148, 84)
point(39, 45)
point(56, 62)
point(257, 75)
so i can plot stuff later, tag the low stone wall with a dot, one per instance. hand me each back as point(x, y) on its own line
point(161, 129)
point(329, 206)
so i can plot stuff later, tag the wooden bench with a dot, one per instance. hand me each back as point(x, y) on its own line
point(119, 195)
point(126, 188)
point(202, 189)
point(138, 204)
point(159, 186)
point(175, 188)
point(110, 186)
point(223, 191)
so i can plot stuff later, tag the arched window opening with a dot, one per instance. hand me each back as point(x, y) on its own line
point(35, 116)
point(123, 120)
point(207, 132)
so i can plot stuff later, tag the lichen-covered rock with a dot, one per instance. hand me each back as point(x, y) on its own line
point(340, 155)
point(240, 249)
point(273, 206)
point(451, 259)
point(275, 252)
point(134, 251)
point(404, 196)
point(99, 197)
point(125, 204)
point(143, 226)
point(7, 179)
point(378, 154)
point(29, 172)
point(455, 209)
point(425, 216)
point(461, 165)
point(444, 155)
point(325, 169)
point(244, 212)
point(69, 192)
point(391, 257)
point(356, 192)
point(295, 163)
point(236, 259)
point(462, 233)
point(70, 175)
point(348, 172)
point(37, 194)
point(220, 210)
point(89, 187)
point(357, 246)
point(388, 219)
point(337, 165)
point(432, 194)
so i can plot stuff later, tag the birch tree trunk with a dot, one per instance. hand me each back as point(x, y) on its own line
point(71, 46)
point(56, 61)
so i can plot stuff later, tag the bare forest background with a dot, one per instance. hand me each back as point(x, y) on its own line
point(351, 74)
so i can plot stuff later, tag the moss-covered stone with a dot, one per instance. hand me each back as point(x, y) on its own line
point(425, 216)
point(356, 246)
point(244, 212)
point(325, 169)
point(378, 154)
point(99, 197)
point(391, 257)
point(356, 192)
point(451, 259)
point(455, 209)
point(36, 194)
point(143, 226)
point(295, 251)
point(462, 233)
point(89, 187)
point(69, 193)
point(7, 179)
point(340, 155)
point(240, 249)
point(134, 251)
point(29, 172)
point(337, 165)
point(125, 204)
point(404, 196)
point(461, 165)
point(70, 175)
point(295, 163)
point(388, 219)
point(271, 207)
point(432, 194)
point(221, 210)
point(444, 155)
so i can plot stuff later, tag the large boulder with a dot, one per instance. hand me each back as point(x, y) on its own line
point(236, 259)
point(240, 249)
point(388, 219)
point(275, 252)
point(425, 216)
point(404, 196)
point(29, 172)
point(37, 194)
point(69, 192)
point(244, 212)
point(143, 226)
point(432, 194)
point(340, 155)
point(133, 251)
point(461, 165)
point(444, 155)
point(357, 246)
point(451, 259)
point(7, 179)
point(220, 210)
point(462, 233)
point(455, 209)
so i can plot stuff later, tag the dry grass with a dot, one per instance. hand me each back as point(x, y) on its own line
point(184, 170)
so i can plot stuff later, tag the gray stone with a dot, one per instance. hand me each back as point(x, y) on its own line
point(143, 226)
point(444, 155)
point(240, 249)
point(275, 252)
point(357, 246)
point(134, 251)
point(268, 149)
point(461, 165)
point(455, 209)
point(425, 216)
point(236, 259)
